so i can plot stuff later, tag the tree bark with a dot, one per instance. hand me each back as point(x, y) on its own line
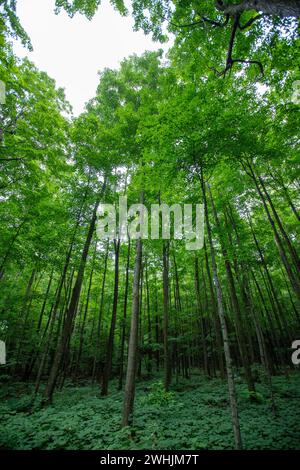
point(70, 314)
point(230, 379)
point(133, 338)
point(167, 365)
point(100, 314)
point(283, 8)
point(110, 343)
point(293, 279)
point(201, 319)
point(81, 338)
point(123, 332)
point(290, 247)
point(8, 251)
point(235, 303)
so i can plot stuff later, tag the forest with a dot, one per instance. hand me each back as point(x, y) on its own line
point(127, 343)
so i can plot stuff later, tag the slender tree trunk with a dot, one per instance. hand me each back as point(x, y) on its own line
point(231, 386)
point(289, 245)
point(140, 329)
point(133, 338)
point(8, 251)
point(279, 180)
point(81, 339)
point(149, 365)
point(201, 319)
point(235, 303)
point(52, 320)
point(217, 324)
point(123, 331)
point(157, 324)
point(100, 314)
point(33, 355)
point(277, 309)
point(167, 365)
point(24, 316)
point(110, 343)
point(294, 281)
point(71, 312)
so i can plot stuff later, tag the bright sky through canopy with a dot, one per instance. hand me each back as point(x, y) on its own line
point(73, 50)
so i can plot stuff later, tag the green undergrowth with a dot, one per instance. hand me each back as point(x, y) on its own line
point(194, 415)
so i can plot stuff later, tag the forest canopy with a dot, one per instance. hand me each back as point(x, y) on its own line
point(215, 122)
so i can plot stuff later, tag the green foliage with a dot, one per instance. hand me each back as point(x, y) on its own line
point(158, 396)
point(253, 396)
point(192, 420)
point(169, 129)
point(86, 7)
point(10, 23)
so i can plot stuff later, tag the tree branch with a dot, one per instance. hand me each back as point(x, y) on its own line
point(186, 25)
point(10, 159)
point(229, 60)
point(216, 23)
point(244, 61)
point(282, 8)
point(250, 22)
point(235, 13)
point(203, 20)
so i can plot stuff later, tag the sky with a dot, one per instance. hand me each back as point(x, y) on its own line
point(74, 50)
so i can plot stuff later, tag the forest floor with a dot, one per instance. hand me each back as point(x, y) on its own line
point(193, 415)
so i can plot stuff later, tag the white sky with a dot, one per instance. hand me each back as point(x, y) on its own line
point(73, 50)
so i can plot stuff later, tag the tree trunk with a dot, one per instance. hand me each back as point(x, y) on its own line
point(217, 324)
point(283, 8)
point(235, 303)
point(230, 379)
point(133, 338)
point(7, 254)
point(33, 355)
point(94, 370)
point(201, 319)
point(110, 343)
point(149, 363)
point(71, 312)
point(294, 281)
point(290, 247)
point(77, 366)
point(123, 331)
point(167, 365)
